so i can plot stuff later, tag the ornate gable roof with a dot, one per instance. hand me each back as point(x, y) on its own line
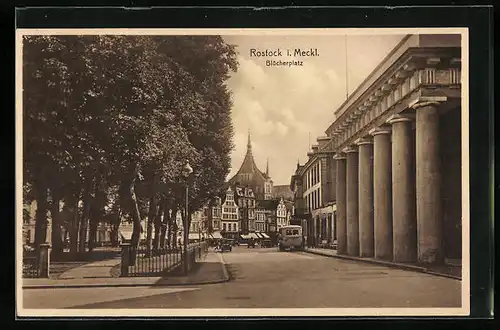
point(248, 169)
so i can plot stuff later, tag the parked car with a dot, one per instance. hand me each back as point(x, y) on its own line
point(323, 244)
point(266, 243)
point(226, 246)
point(334, 245)
point(251, 243)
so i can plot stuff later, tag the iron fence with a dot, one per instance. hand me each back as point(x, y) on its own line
point(31, 267)
point(157, 262)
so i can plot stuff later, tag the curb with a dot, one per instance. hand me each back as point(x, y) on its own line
point(124, 285)
point(387, 264)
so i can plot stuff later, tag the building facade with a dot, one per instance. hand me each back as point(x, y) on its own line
point(281, 214)
point(245, 199)
point(230, 212)
point(249, 175)
point(212, 218)
point(283, 191)
point(313, 186)
point(260, 217)
point(397, 148)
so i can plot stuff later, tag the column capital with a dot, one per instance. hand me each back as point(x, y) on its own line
point(398, 118)
point(364, 140)
point(339, 156)
point(379, 130)
point(349, 150)
point(424, 101)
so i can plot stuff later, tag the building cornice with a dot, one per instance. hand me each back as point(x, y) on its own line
point(415, 68)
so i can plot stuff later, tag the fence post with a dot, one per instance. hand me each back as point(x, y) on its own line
point(44, 260)
point(125, 255)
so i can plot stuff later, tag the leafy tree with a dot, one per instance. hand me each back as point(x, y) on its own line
point(112, 120)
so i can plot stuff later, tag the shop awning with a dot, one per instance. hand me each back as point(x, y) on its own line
point(216, 235)
point(245, 236)
point(253, 235)
point(265, 235)
point(259, 235)
point(126, 234)
point(194, 236)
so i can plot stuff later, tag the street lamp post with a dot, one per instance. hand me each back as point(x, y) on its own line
point(186, 171)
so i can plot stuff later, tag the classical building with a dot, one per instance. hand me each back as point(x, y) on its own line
point(397, 147)
point(250, 176)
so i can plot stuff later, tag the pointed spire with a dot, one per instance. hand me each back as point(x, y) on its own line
point(267, 167)
point(249, 144)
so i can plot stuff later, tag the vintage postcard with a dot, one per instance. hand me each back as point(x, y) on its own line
point(242, 172)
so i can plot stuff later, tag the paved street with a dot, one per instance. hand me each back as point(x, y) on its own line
point(266, 278)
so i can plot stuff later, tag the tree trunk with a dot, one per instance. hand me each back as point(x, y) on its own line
point(84, 220)
point(209, 225)
point(151, 219)
point(96, 211)
point(157, 225)
point(115, 226)
point(173, 228)
point(136, 216)
point(164, 225)
point(56, 236)
point(74, 224)
point(41, 214)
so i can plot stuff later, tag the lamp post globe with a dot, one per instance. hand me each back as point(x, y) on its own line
point(187, 169)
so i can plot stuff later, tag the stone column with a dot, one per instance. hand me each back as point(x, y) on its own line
point(340, 192)
point(428, 183)
point(330, 227)
point(365, 190)
point(382, 193)
point(352, 202)
point(44, 260)
point(403, 191)
point(125, 259)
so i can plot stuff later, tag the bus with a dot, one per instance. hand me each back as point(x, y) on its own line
point(291, 238)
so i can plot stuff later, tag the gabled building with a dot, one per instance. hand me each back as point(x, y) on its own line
point(249, 175)
point(281, 214)
point(230, 220)
point(212, 217)
point(245, 199)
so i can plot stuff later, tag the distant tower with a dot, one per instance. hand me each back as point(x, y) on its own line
point(267, 167)
point(249, 143)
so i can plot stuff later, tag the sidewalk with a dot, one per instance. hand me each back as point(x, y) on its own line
point(98, 269)
point(445, 271)
point(209, 270)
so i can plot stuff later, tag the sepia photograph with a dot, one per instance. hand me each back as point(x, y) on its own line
point(242, 172)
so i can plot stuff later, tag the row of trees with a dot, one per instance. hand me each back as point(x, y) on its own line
point(108, 124)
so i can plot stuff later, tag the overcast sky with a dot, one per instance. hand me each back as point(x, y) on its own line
point(282, 105)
